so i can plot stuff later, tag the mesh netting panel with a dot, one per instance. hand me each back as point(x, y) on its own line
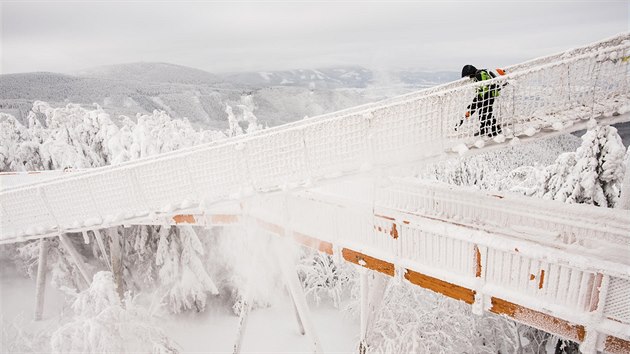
point(611, 79)
point(618, 300)
point(338, 145)
point(118, 189)
point(581, 87)
point(218, 172)
point(276, 159)
point(454, 106)
point(71, 201)
point(165, 183)
point(21, 215)
point(406, 128)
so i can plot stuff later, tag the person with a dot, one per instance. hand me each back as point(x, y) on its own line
point(484, 100)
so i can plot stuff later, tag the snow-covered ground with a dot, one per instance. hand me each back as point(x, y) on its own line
point(269, 330)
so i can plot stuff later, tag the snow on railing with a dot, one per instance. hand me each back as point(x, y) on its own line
point(554, 95)
point(437, 231)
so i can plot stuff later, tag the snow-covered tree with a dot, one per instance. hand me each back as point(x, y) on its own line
point(18, 151)
point(591, 175)
point(105, 324)
point(234, 128)
point(248, 106)
point(77, 137)
point(323, 278)
point(182, 273)
point(416, 320)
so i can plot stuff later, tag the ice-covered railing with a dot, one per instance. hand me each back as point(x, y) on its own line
point(446, 239)
point(553, 95)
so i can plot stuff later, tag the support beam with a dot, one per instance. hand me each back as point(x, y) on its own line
point(41, 278)
point(297, 294)
point(297, 317)
point(76, 257)
point(116, 260)
point(101, 246)
point(242, 324)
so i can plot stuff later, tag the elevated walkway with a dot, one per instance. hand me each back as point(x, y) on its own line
point(561, 268)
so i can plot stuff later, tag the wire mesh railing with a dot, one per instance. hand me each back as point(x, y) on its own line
point(552, 94)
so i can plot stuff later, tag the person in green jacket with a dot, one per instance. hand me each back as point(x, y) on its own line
point(483, 101)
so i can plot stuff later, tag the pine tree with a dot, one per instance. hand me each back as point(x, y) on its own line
point(591, 175)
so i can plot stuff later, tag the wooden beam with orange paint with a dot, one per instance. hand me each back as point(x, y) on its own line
point(224, 219)
point(616, 345)
point(184, 219)
point(314, 243)
point(368, 262)
point(439, 286)
point(538, 319)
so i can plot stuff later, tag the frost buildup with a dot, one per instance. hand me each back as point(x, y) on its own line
point(591, 175)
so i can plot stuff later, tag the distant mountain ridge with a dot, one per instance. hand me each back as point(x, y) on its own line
point(202, 97)
point(151, 73)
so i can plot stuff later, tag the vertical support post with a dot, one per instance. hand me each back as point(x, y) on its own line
point(377, 293)
point(41, 278)
point(116, 260)
point(624, 199)
point(373, 286)
point(592, 340)
point(76, 257)
point(480, 257)
point(247, 297)
point(365, 288)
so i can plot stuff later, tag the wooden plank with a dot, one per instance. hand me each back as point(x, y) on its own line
point(538, 319)
point(223, 219)
point(273, 228)
point(314, 243)
point(439, 286)
point(184, 219)
point(368, 262)
point(616, 345)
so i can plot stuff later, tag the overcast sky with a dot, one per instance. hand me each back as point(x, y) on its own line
point(67, 36)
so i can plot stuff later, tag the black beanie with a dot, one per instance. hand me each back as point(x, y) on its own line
point(468, 70)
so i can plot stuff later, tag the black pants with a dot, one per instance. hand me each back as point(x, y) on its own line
point(487, 122)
